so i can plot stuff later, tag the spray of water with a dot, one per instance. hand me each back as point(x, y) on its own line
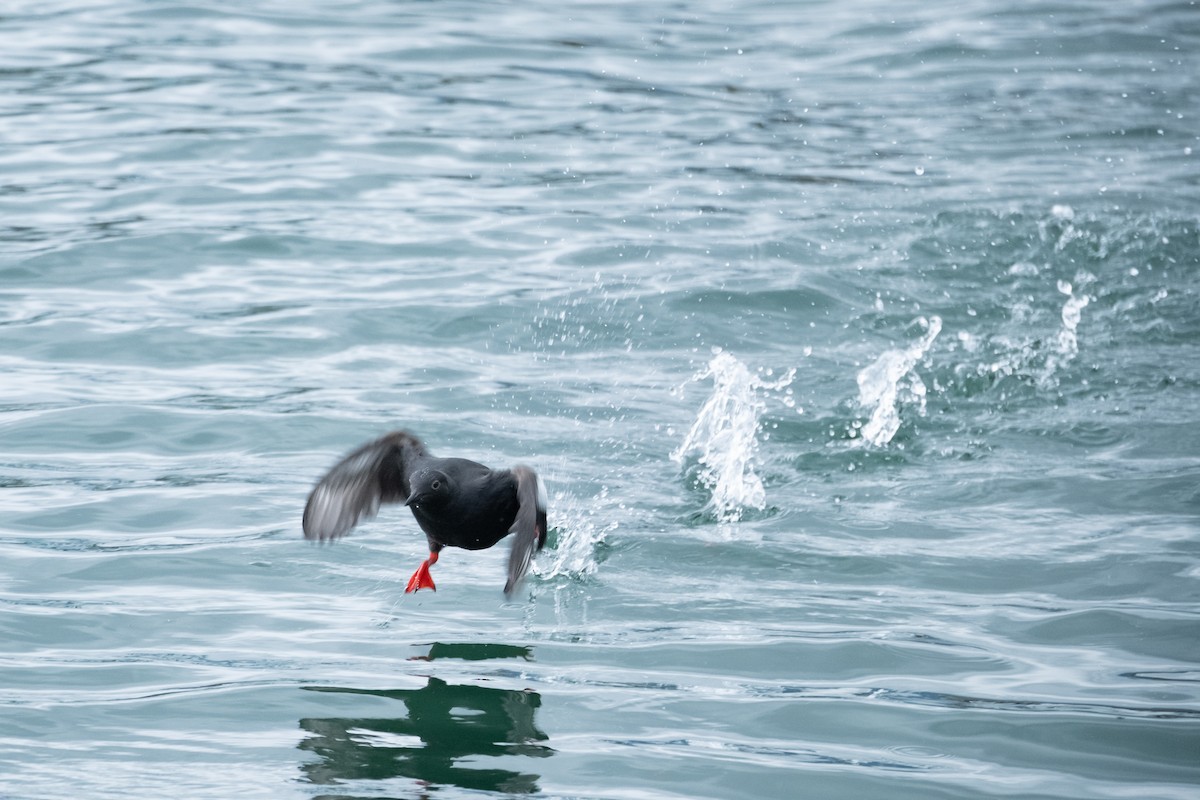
point(892, 380)
point(1068, 340)
point(724, 437)
point(582, 526)
point(1072, 312)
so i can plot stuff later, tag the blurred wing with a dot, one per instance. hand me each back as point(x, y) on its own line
point(375, 473)
point(530, 525)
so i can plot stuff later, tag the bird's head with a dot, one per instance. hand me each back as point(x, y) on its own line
point(429, 488)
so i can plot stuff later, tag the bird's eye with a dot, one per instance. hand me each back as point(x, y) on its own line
point(435, 485)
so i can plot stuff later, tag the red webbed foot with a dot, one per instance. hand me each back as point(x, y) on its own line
point(421, 579)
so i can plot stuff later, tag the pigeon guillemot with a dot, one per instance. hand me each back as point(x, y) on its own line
point(458, 503)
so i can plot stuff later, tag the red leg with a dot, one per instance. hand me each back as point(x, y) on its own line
point(421, 579)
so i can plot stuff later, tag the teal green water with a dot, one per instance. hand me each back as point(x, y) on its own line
point(858, 344)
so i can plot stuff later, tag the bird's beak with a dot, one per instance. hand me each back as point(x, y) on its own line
point(412, 499)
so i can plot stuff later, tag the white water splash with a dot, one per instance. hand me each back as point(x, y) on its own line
point(724, 436)
point(1068, 339)
point(582, 527)
point(1072, 312)
point(891, 380)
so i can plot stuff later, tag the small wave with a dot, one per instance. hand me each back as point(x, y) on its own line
point(892, 380)
point(768, 754)
point(724, 436)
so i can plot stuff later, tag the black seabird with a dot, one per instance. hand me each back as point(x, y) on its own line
point(457, 502)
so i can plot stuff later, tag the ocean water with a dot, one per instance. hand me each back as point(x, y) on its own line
point(858, 344)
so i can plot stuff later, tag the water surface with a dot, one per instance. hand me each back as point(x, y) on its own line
point(856, 342)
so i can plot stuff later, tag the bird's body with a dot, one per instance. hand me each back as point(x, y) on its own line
point(486, 510)
point(457, 502)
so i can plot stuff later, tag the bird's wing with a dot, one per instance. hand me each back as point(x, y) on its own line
point(530, 525)
point(375, 473)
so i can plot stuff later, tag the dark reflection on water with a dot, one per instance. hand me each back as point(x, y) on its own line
point(441, 727)
point(471, 651)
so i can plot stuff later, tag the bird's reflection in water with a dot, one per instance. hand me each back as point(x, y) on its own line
point(446, 727)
